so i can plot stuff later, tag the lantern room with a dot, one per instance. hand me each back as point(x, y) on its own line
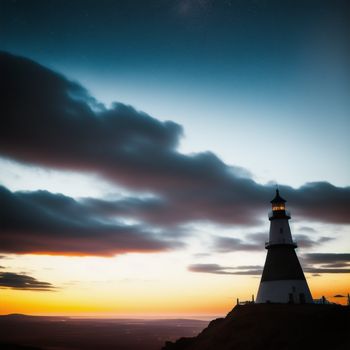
point(278, 203)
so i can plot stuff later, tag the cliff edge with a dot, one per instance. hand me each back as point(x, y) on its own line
point(274, 327)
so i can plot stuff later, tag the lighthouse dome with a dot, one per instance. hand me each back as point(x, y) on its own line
point(278, 198)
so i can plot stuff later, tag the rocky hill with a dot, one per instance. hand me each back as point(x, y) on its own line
point(274, 327)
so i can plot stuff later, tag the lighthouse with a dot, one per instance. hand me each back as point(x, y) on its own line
point(283, 280)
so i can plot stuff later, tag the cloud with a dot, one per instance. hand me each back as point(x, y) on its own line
point(339, 296)
point(256, 242)
point(337, 264)
point(305, 241)
point(254, 270)
point(23, 282)
point(327, 263)
point(51, 121)
point(44, 223)
point(226, 270)
point(310, 202)
point(324, 258)
point(307, 229)
point(308, 261)
point(209, 268)
point(324, 270)
point(248, 267)
point(230, 244)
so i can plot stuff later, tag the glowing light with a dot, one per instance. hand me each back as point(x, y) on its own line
point(279, 206)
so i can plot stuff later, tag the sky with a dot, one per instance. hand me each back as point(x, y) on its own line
point(142, 141)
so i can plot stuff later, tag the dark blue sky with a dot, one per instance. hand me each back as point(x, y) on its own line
point(225, 38)
point(250, 70)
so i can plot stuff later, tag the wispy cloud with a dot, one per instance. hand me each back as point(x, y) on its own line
point(310, 260)
point(320, 270)
point(324, 258)
point(255, 242)
point(230, 244)
point(13, 280)
point(319, 263)
point(226, 270)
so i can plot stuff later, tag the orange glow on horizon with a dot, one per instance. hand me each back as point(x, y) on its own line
point(151, 303)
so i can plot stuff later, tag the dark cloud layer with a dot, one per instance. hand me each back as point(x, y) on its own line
point(256, 270)
point(256, 242)
point(327, 263)
point(45, 223)
point(23, 282)
point(327, 258)
point(51, 121)
point(335, 263)
point(319, 270)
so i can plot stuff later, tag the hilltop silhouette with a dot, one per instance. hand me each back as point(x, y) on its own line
point(274, 327)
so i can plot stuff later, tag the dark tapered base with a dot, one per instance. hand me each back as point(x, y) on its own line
point(283, 280)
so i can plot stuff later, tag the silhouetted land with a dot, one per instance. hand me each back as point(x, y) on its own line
point(20, 332)
point(274, 327)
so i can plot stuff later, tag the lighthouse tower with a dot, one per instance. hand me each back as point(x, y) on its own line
point(283, 280)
